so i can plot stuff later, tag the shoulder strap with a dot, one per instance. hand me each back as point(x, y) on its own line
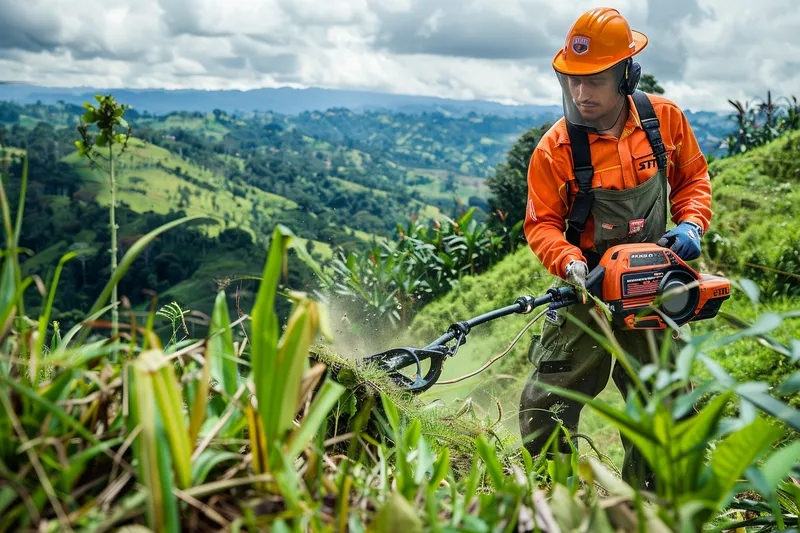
point(584, 171)
point(651, 126)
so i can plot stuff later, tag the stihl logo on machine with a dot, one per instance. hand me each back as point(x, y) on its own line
point(722, 292)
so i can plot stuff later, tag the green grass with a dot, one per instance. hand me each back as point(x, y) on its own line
point(10, 151)
point(756, 204)
point(207, 126)
point(465, 185)
point(352, 186)
point(363, 235)
point(322, 248)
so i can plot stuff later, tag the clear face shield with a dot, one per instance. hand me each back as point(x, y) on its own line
point(593, 102)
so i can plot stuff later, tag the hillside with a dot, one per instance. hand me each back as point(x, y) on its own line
point(321, 175)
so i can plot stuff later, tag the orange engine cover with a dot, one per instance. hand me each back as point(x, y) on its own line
point(637, 275)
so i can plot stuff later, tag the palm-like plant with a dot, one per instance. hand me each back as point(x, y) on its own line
point(391, 280)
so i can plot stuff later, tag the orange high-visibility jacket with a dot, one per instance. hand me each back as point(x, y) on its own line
point(618, 164)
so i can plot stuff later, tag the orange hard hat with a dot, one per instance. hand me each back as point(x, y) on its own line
point(599, 39)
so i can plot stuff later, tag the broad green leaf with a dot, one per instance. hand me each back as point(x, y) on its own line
point(692, 437)
point(7, 497)
point(795, 357)
point(62, 347)
point(791, 385)
point(765, 323)
point(780, 463)
point(44, 318)
point(593, 470)
point(291, 361)
point(567, 510)
point(475, 475)
point(751, 289)
point(760, 484)
point(424, 462)
point(686, 402)
point(197, 397)
point(10, 309)
point(391, 414)
point(717, 372)
point(756, 393)
point(440, 469)
point(735, 453)
point(412, 433)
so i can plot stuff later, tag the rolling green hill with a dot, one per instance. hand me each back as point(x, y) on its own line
point(151, 178)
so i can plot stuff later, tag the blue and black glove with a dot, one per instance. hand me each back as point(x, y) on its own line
point(684, 240)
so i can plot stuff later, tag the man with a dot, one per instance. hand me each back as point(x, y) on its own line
point(601, 174)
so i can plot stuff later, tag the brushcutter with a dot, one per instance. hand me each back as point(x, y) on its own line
point(643, 286)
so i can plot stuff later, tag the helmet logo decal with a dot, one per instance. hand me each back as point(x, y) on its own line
point(580, 45)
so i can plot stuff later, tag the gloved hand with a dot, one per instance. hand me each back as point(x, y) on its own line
point(576, 272)
point(684, 240)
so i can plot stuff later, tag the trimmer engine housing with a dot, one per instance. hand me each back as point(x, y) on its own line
point(635, 275)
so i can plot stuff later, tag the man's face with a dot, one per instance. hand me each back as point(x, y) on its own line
point(596, 95)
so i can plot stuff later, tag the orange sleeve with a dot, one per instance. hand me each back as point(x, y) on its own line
point(689, 182)
point(545, 215)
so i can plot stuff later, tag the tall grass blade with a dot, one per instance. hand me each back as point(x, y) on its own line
point(154, 460)
point(170, 408)
point(264, 337)
point(200, 388)
point(222, 354)
point(44, 319)
point(323, 402)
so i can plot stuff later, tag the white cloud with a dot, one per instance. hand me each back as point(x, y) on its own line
point(701, 51)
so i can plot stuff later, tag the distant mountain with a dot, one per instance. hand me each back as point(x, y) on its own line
point(710, 127)
point(286, 100)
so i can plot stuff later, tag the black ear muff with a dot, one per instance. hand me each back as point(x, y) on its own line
point(630, 80)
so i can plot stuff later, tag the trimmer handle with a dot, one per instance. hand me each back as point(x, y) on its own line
point(594, 281)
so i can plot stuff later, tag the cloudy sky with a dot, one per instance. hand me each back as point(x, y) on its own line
point(701, 51)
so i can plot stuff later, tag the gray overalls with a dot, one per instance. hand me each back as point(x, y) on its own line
point(566, 356)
